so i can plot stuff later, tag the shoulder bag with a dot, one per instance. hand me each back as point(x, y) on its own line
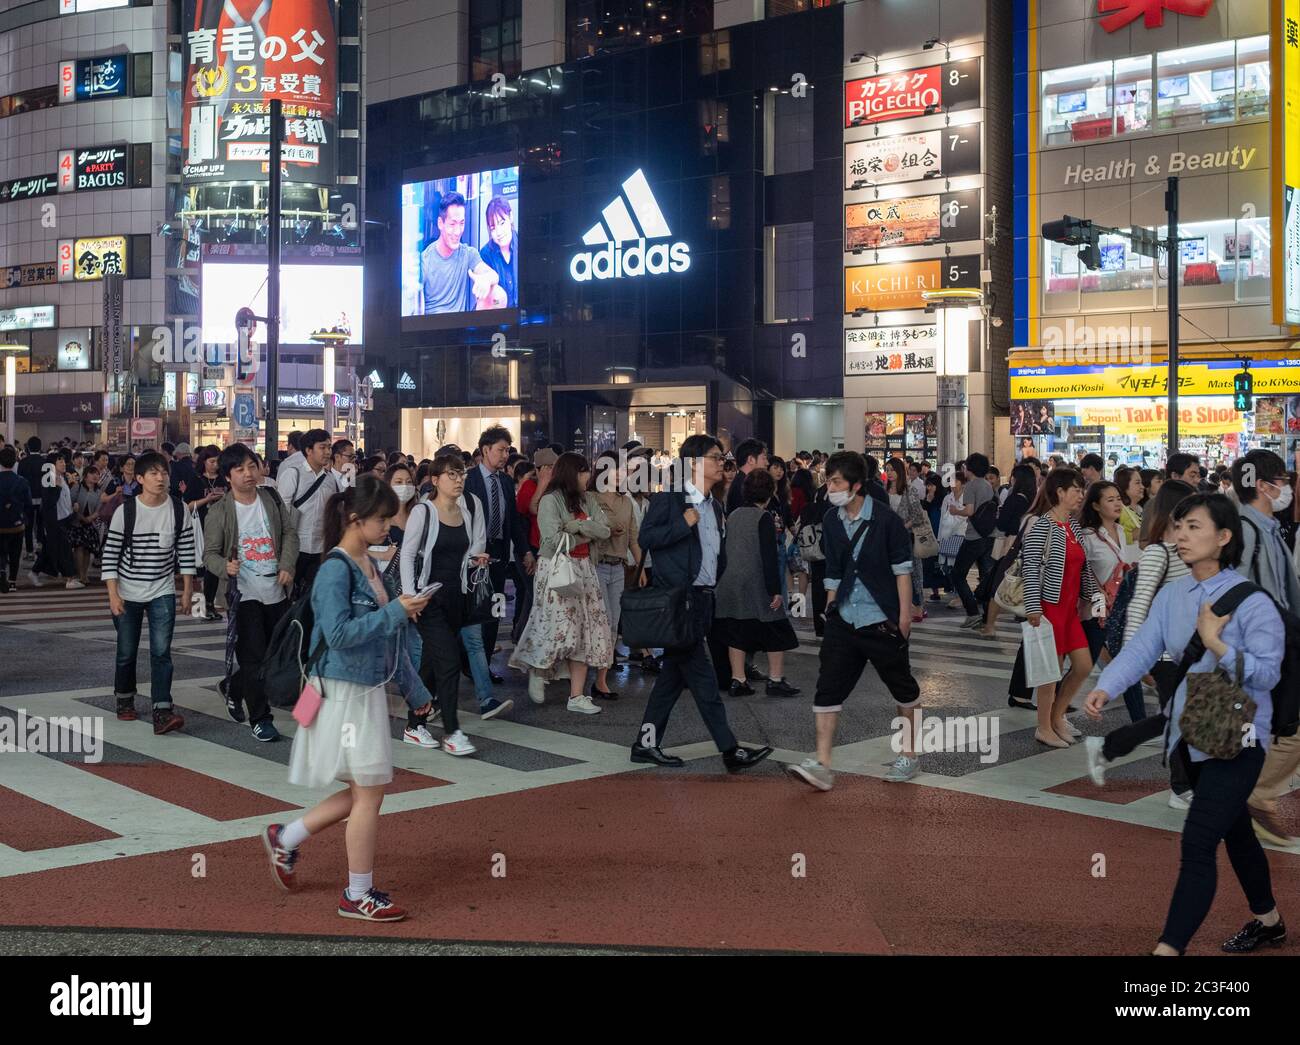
point(1011, 592)
point(562, 578)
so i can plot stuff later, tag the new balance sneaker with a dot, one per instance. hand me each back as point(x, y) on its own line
point(812, 772)
point(419, 736)
point(536, 688)
point(74, 584)
point(373, 907)
point(126, 709)
point(266, 732)
point(904, 768)
point(1097, 762)
point(282, 860)
point(1254, 934)
point(494, 707)
point(458, 744)
point(165, 720)
point(583, 705)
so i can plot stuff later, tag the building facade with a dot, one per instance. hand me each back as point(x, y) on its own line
point(1109, 105)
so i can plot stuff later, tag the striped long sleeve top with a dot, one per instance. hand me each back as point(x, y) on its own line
point(1160, 564)
point(1042, 564)
point(156, 553)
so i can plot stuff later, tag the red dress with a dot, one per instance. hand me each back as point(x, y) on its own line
point(1064, 615)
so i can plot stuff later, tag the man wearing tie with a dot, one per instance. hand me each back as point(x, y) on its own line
point(496, 492)
point(684, 529)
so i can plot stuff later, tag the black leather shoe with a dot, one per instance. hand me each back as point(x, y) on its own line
point(744, 758)
point(600, 694)
point(782, 689)
point(740, 689)
point(752, 674)
point(654, 755)
point(1255, 933)
point(651, 664)
point(496, 679)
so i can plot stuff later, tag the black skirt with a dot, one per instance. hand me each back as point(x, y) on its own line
point(755, 636)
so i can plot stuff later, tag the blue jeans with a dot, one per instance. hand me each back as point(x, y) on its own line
point(471, 637)
point(162, 619)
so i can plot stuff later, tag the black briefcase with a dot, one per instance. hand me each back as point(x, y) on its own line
point(658, 617)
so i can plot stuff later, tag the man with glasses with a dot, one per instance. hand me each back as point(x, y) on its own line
point(306, 485)
point(453, 275)
point(684, 528)
point(343, 462)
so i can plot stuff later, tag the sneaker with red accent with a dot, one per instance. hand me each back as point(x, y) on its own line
point(126, 709)
point(282, 859)
point(918, 617)
point(165, 720)
point(373, 907)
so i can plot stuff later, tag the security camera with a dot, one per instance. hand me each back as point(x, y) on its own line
point(929, 44)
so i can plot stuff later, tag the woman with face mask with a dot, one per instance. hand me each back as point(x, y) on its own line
point(403, 484)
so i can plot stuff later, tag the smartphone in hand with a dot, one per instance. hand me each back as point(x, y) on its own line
point(427, 592)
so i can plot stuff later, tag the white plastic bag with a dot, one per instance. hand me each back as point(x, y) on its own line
point(1042, 665)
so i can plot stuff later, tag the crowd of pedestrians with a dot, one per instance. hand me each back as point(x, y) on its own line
point(406, 569)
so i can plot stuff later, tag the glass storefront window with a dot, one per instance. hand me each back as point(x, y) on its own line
point(1196, 86)
point(1124, 281)
point(1252, 77)
point(1133, 94)
point(1076, 104)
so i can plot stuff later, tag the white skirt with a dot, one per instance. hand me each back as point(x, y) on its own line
point(350, 739)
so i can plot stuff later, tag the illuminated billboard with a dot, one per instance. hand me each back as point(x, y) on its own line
point(314, 300)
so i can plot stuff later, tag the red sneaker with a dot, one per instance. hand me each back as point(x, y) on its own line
point(126, 709)
point(165, 720)
point(918, 617)
point(373, 907)
point(282, 859)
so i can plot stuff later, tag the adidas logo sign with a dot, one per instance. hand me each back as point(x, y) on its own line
point(624, 234)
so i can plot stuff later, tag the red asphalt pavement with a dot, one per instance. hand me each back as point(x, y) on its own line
point(684, 861)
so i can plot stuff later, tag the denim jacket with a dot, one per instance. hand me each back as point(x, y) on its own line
point(359, 637)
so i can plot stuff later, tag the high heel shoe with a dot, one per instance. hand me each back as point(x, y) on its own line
point(1053, 741)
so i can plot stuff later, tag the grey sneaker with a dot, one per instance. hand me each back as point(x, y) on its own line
point(812, 772)
point(1096, 760)
point(904, 768)
point(973, 621)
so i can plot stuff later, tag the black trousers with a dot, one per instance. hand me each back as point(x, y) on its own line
point(254, 623)
point(688, 668)
point(305, 572)
point(523, 601)
point(1218, 813)
point(210, 583)
point(35, 527)
point(11, 553)
point(440, 654)
point(1125, 739)
point(55, 558)
point(845, 654)
point(973, 553)
point(500, 551)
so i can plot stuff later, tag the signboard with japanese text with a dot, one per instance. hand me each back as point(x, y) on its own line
point(912, 157)
point(1287, 136)
point(28, 188)
point(91, 259)
point(84, 79)
point(879, 288)
point(912, 92)
point(112, 328)
point(14, 276)
point(912, 220)
point(242, 54)
point(870, 351)
point(29, 317)
point(100, 167)
point(1270, 377)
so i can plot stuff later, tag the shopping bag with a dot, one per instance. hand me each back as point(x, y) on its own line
point(1042, 665)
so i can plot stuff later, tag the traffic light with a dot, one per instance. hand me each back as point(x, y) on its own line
point(1145, 242)
point(1078, 232)
point(1243, 392)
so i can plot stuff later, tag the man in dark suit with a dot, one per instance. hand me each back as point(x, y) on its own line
point(505, 527)
point(683, 530)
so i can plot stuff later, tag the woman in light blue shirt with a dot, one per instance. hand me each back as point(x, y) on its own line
point(1249, 645)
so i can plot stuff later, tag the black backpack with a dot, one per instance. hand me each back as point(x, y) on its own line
point(287, 664)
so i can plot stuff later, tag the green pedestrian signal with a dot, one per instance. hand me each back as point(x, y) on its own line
point(1243, 392)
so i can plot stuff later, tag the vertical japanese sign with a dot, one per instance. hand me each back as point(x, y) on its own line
point(112, 328)
point(241, 54)
point(1286, 141)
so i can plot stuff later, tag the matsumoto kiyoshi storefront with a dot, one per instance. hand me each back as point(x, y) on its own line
point(1121, 411)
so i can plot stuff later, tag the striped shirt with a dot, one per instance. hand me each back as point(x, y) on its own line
point(1160, 564)
point(1042, 564)
point(146, 571)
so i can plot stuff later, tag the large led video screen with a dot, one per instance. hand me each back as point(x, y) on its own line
point(315, 301)
point(460, 245)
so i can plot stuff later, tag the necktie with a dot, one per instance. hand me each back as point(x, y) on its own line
point(494, 507)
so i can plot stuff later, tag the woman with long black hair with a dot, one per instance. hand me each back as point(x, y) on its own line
point(1248, 645)
point(1011, 519)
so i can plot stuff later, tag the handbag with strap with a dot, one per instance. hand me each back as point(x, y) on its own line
point(658, 616)
point(562, 578)
point(478, 600)
point(1011, 592)
point(924, 543)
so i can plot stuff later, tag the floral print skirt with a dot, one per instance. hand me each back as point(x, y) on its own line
point(560, 628)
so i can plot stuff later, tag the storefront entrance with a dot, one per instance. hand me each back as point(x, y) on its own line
point(593, 419)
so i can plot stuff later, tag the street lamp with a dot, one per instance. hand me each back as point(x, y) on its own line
point(953, 311)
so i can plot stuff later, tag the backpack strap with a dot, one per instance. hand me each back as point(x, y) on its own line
point(1254, 562)
point(1224, 606)
point(128, 524)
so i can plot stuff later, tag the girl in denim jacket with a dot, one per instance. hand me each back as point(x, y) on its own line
point(369, 638)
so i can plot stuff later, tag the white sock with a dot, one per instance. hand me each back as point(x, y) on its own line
point(360, 884)
point(777, 678)
point(1271, 919)
point(294, 835)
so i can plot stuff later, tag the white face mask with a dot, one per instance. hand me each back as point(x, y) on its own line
point(839, 498)
point(404, 492)
point(1282, 500)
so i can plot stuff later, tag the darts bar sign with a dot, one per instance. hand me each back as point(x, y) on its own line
point(28, 188)
point(912, 92)
point(100, 167)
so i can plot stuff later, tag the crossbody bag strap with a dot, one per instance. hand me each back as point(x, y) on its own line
point(298, 502)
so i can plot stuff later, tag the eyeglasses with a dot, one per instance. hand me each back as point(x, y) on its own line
point(715, 457)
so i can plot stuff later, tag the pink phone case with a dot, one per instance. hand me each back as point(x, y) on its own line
point(309, 702)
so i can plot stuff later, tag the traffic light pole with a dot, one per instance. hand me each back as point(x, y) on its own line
point(273, 287)
point(1171, 207)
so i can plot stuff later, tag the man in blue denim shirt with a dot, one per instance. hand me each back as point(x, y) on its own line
point(868, 618)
